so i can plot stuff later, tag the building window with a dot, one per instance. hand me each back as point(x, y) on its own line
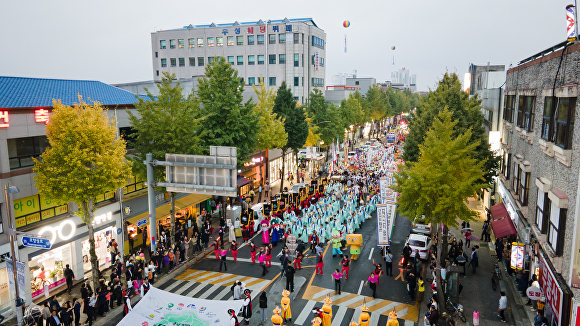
point(163, 44)
point(272, 81)
point(296, 38)
point(156, 54)
point(542, 211)
point(260, 59)
point(508, 111)
point(524, 188)
point(272, 59)
point(251, 81)
point(219, 41)
point(302, 60)
point(240, 40)
point(296, 81)
point(296, 98)
point(210, 41)
point(199, 42)
point(250, 39)
point(517, 177)
point(520, 116)
point(22, 150)
point(282, 59)
point(157, 71)
point(191, 62)
point(281, 38)
point(357, 83)
point(296, 60)
point(191, 42)
point(173, 62)
point(181, 43)
point(302, 38)
point(182, 62)
point(564, 128)
point(163, 63)
point(260, 39)
point(317, 82)
point(210, 60)
point(317, 42)
point(313, 59)
point(321, 62)
point(251, 60)
point(529, 106)
point(230, 40)
point(200, 61)
point(272, 39)
point(240, 60)
point(172, 44)
point(506, 163)
point(231, 59)
point(556, 229)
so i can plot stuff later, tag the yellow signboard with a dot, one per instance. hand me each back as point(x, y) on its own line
point(25, 206)
point(61, 209)
point(32, 218)
point(47, 213)
point(20, 222)
point(46, 203)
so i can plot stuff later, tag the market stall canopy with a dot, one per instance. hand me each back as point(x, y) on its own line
point(503, 227)
point(498, 212)
point(243, 181)
point(160, 307)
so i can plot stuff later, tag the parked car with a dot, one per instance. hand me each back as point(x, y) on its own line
point(297, 186)
point(351, 155)
point(419, 242)
point(420, 228)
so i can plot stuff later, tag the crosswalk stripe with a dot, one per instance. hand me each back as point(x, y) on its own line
point(195, 291)
point(205, 277)
point(346, 300)
point(356, 315)
point(196, 276)
point(182, 289)
point(227, 279)
point(306, 311)
point(188, 273)
point(409, 323)
point(209, 291)
point(174, 285)
point(258, 286)
point(375, 315)
point(337, 319)
point(369, 304)
point(216, 278)
point(256, 281)
point(322, 294)
point(226, 292)
point(249, 260)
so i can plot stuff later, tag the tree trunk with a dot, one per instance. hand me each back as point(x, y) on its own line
point(88, 220)
point(440, 296)
point(282, 176)
point(297, 166)
point(172, 212)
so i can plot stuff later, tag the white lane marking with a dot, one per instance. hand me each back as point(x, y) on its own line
point(249, 260)
point(375, 315)
point(209, 291)
point(355, 315)
point(174, 285)
point(194, 292)
point(337, 319)
point(226, 292)
point(321, 295)
point(371, 255)
point(362, 283)
point(305, 312)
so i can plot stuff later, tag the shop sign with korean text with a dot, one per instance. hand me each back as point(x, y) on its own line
point(517, 255)
point(382, 225)
point(552, 291)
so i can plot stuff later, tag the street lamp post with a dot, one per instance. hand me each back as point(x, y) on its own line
point(12, 233)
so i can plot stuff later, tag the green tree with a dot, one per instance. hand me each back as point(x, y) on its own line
point(379, 106)
point(439, 184)
point(227, 122)
point(467, 111)
point(271, 132)
point(294, 122)
point(85, 159)
point(168, 123)
point(325, 116)
point(363, 116)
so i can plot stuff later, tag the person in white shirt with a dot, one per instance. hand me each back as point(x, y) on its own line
point(233, 318)
point(502, 306)
point(238, 290)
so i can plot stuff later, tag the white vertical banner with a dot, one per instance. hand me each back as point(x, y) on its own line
point(382, 225)
point(20, 272)
point(383, 188)
point(391, 211)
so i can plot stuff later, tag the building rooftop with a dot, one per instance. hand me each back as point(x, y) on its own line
point(20, 92)
point(259, 22)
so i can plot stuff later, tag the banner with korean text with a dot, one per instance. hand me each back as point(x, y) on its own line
point(159, 308)
point(383, 235)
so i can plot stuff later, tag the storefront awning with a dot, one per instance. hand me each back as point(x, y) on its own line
point(164, 210)
point(243, 181)
point(503, 227)
point(498, 211)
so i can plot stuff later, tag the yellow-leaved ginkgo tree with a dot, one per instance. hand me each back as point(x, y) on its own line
point(85, 159)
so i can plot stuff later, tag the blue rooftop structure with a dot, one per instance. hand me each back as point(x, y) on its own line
point(259, 22)
point(19, 92)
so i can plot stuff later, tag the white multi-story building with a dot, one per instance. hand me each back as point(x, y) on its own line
point(405, 79)
point(291, 50)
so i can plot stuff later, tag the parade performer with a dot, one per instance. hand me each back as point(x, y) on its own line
point(245, 233)
point(275, 234)
point(345, 265)
point(313, 241)
point(276, 319)
point(234, 250)
point(336, 244)
point(265, 231)
point(298, 260)
point(286, 311)
point(253, 251)
point(319, 264)
point(247, 308)
point(354, 241)
point(268, 255)
point(364, 317)
point(216, 249)
point(316, 321)
point(233, 318)
point(393, 319)
point(326, 312)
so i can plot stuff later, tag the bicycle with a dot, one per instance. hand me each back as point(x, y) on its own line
point(495, 277)
point(455, 309)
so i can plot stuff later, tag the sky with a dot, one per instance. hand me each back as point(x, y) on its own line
point(110, 40)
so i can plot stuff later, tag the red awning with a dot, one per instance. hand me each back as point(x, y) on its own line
point(503, 227)
point(498, 211)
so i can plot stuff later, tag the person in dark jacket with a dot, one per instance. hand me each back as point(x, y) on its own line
point(263, 307)
point(118, 293)
point(76, 305)
point(69, 276)
point(66, 314)
point(474, 259)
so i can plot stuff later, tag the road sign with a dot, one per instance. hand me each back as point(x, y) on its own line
point(35, 242)
point(141, 222)
point(119, 230)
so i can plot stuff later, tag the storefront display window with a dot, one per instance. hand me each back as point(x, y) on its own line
point(4, 290)
point(102, 239)
point(47, 269)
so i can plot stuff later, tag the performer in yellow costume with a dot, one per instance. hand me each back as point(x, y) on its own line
point(364, 318)
point(276, 319)
point(352, 323)
point(286, 311)
point(393, 319)
point(316, 321)
point(326, 312)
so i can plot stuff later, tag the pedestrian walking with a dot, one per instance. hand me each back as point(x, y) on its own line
point(474, 260)
point(223, 256)
point(69, 276)
point(337, 277)
point(290, 276)
point(388, 262)
point(263, 307)
point(411, 281)
point(421, 289)
point(502, 306)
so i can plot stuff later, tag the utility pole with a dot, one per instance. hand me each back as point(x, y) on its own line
point(12, 232)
